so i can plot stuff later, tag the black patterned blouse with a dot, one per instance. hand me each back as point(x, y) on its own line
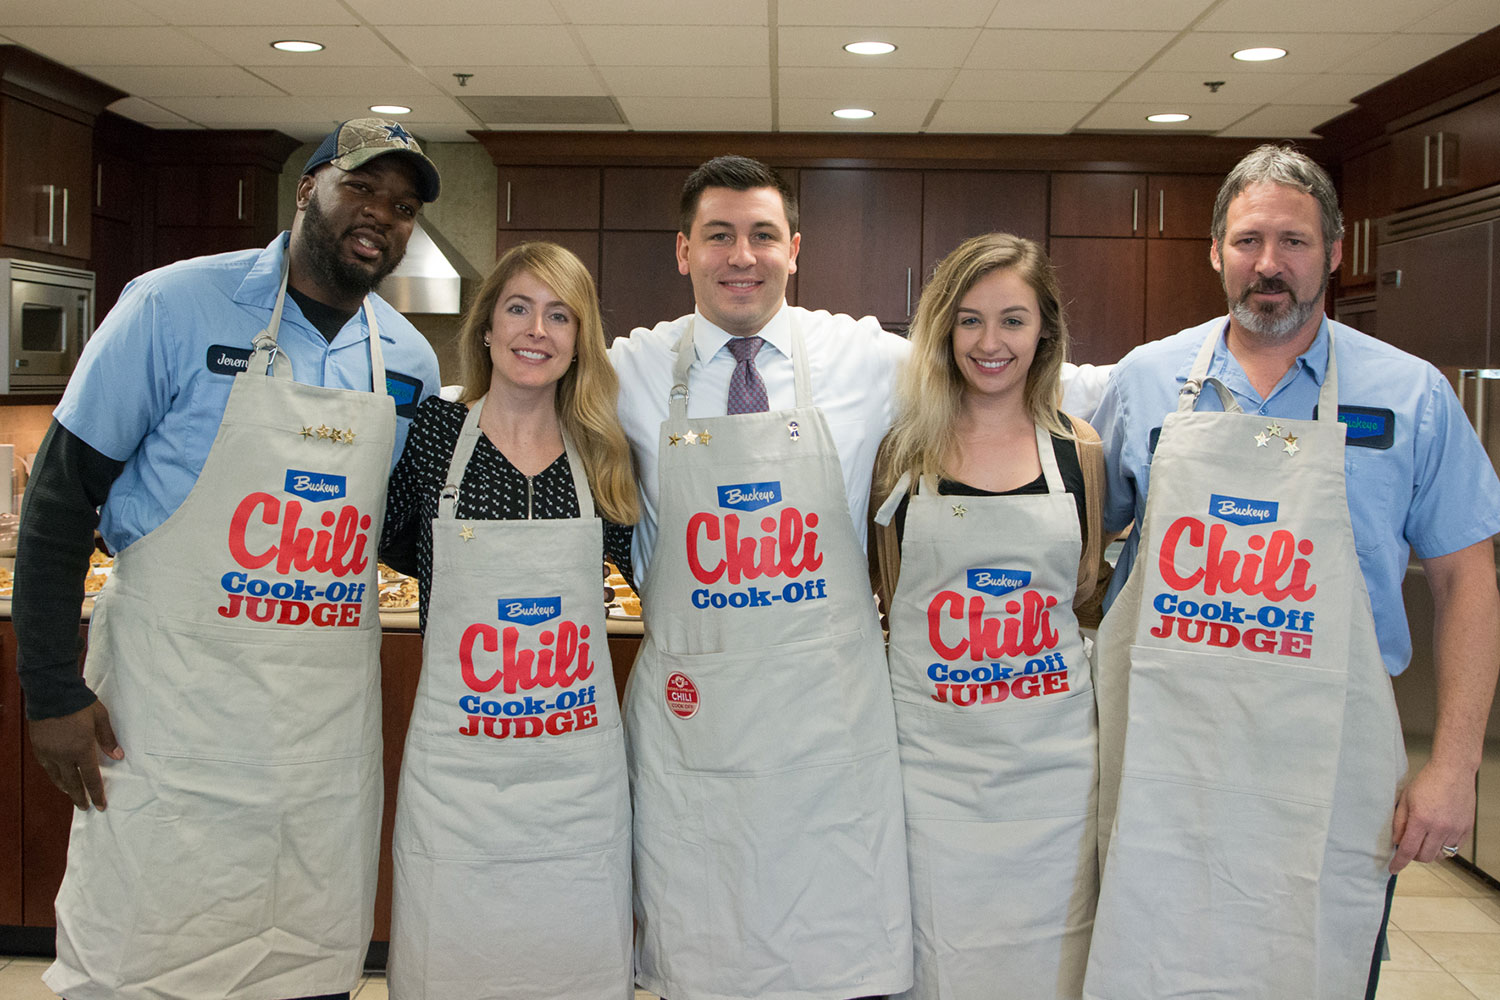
point(492, 489)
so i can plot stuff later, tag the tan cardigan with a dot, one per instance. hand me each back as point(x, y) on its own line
point(1093, 572)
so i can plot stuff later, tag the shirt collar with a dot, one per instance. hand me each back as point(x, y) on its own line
point(709, 339)
point(1224, 367)
point(263, 281)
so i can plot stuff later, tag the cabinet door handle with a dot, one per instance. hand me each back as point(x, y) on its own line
point(239, 200)
point(1367, 246)
point(1439, 160)
point(1426, 158)
point(99, 186)
point(51, 213)
point(908, 293)
point(507, 201)
point(1135, 210)
point(1354, 258)
point(1161, 212)
point(65, 217)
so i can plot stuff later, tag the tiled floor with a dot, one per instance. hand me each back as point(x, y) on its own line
point(1445, 944)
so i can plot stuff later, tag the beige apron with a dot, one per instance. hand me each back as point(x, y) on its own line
point(995, 713)
point(1248, 737)
point(512, 840)
point(770, 857)
point(238, 650)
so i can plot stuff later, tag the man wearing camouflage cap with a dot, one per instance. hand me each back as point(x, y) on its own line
point(229, 429)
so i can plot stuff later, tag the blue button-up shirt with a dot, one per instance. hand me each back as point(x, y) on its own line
point(153, 381)
point(1432, 489)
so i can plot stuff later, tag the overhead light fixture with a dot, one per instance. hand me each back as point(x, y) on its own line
point(296, 45)
point(1168, 118)
point(870, 48)
point(854, 113)
point(1264, 53)
point(390, 109)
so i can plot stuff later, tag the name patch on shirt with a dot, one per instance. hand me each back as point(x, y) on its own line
point(225, 360)
point(405, 390)
point(1368, 426)
point(529, 610)
point(315, 486)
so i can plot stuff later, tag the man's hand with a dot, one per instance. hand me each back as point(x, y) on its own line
point(68, 749)
point(1435, 809)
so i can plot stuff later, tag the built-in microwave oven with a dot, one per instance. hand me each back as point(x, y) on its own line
point(48, 313)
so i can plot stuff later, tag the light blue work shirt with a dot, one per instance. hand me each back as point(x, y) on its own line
point(153, 381)
point(1426, 485)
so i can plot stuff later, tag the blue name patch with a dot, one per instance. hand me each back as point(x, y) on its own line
point(1239, 510)
point(749, 496)
point(529, 610)
point(405, 390)
point(225, 360)
point(1368, 426)
point(998, 582)
point(315, 485)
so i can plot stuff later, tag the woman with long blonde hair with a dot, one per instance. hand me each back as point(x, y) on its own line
point(512, 840)
point(986, 535)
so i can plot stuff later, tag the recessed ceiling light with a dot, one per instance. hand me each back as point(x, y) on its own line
point(853, 113)
point(869, 48)
point(1168, 118)
point(1263, 54)
point(296, 45)
point(390, 109)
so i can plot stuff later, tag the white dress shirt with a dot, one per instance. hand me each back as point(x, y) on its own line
point(852, 364)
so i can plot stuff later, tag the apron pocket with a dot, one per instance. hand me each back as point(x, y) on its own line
point(793, 705)
point(223, 692)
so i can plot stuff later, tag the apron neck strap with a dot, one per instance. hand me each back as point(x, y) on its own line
point(1048, 457)
point(887, 509)
point(463, 451)
point(267, 356)
point(1187, 399)
point(677, 400)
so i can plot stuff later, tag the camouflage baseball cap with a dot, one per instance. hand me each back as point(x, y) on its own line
point(360, 140)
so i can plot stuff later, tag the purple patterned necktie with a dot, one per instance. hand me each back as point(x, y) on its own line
point(747, 393)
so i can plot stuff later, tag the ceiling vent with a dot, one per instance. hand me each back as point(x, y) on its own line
point(544, 110)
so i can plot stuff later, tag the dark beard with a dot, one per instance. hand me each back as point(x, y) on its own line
point(321, 254)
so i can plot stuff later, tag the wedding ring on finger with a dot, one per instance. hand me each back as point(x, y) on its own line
point(1449, 852)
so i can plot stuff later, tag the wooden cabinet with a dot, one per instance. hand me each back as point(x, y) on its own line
point(862, 239)
point(958, 204)
point(1098, 204)
point(1434, 295)
point(1180, 206)
point(1182, 287)
point(548, 198)
point(641, 284)
point(1447, 155)
point(1104, 295)
point(207, 208)
point(1364, 197)
point(47, 180)
point(10, 780)
point(643, 197)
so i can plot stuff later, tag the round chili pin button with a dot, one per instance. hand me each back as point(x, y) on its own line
point(682, 696)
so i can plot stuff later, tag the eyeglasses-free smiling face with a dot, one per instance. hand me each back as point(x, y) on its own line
point(996, 329)
point(739, 255)
point(532, 336)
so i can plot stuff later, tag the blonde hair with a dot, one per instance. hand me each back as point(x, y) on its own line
point(931, 388)
point(588, 391)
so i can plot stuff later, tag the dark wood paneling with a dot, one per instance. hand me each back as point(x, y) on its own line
point(400, 670)
point(1182, 288)
point(548, 198)
point(641, 286)
point(46, 815)
point(1424, 316)
point(1103, 293)
point(1181, 206)
point(1098, 204)
point(584, 243)
point(958, 204)
point(861, 242)
point(643, 197)
point(10, 779)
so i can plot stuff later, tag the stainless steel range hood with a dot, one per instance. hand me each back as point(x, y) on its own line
point(428, 279)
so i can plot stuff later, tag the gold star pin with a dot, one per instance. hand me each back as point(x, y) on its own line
point(691, 437)
point(1291, 445)
point(337, 435)
point(349, 436)
point(324, 431)
point(466, 532)
point(959, 510)
point(1262, 439)
point(704, 437)
point(1273, 429)
point(674, 439)
point(307, 432)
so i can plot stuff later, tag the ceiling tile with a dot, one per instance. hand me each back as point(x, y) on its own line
point(1046, 117)
point(484, 45)
point(1474, 16)
point(675, 45)
point(1123, 116)
point(995, 85)
point(1396, 54)
point(661, 12)
point(243, 112)
point(1238, 88)
point(864, 85)
point(677, 81)
point(343, 46)
point(182, 81)
point(148, 113)
point(881, 13)
point(915, 47)
point(1141, 15)
point(1213, 52)
point(712, 114)
point(52, 13)
point(381, 84)
point(1052, 50)
point(891, 115)
point(1367, 15)
point(458, 12)
point(1329, 88)
point(282, 13)
point(518, 81)
point(1284, 122)
point(117, 46)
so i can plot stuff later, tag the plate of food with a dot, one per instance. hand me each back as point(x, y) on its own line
point(626, 604)
point(398, 592)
